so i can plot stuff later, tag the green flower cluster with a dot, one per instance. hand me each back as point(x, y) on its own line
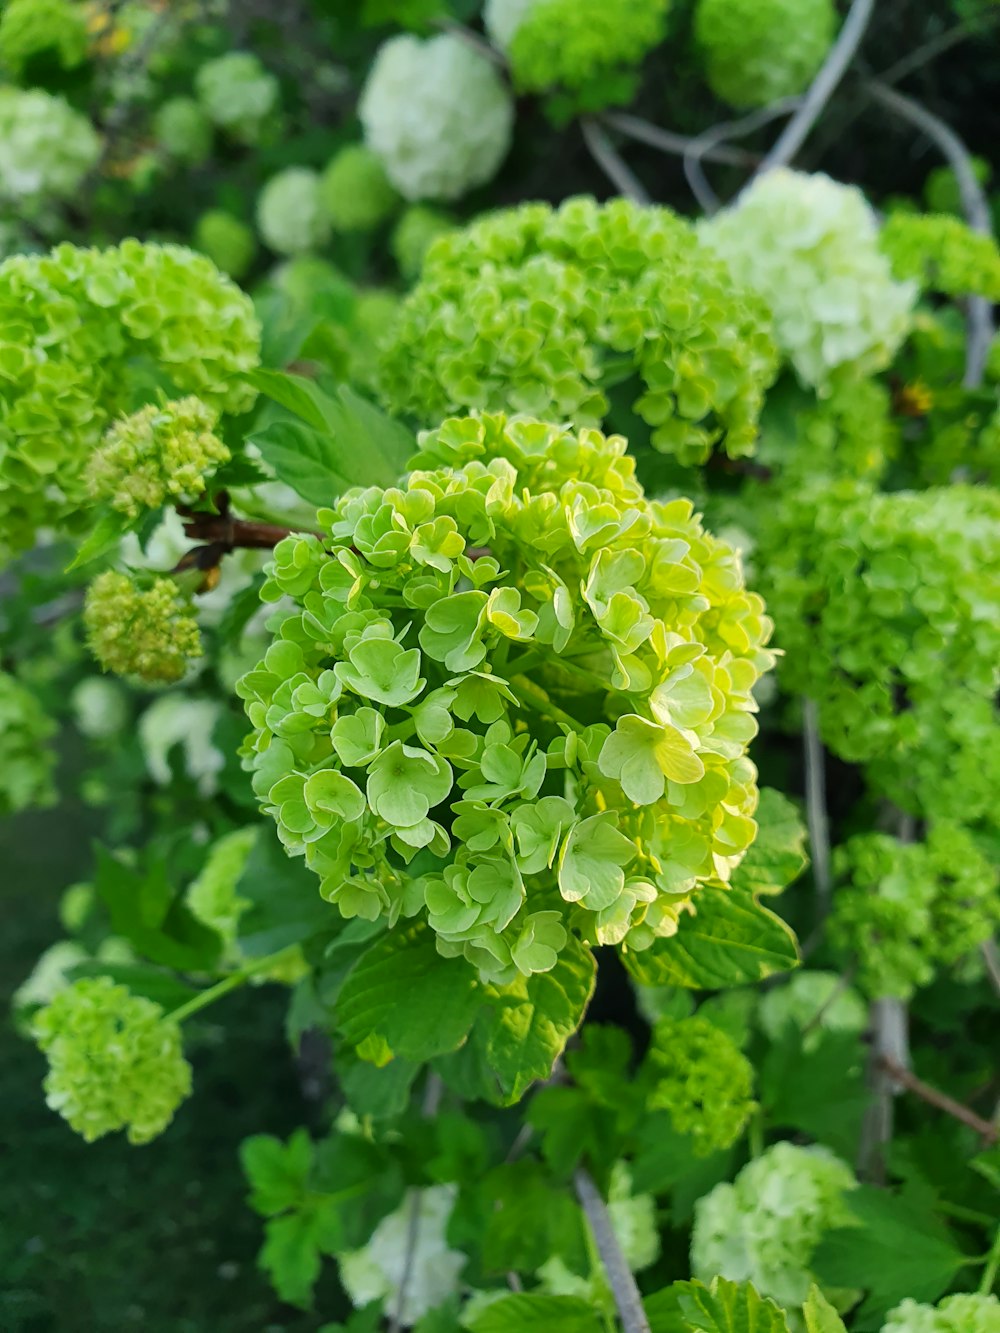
point(850, 432)
point(765, 1226)
point(574, 44)
point(46, 149)
point(228, 242)
point(809, 246)
point(905, 910)
point(538, 310)
point(414, 234)
point(53, 29)
point(238, 94)
point(80, 330)
point(886, 605)
point(965, 1313)
point(519, 665)
point(162, 452)
point(26, 762)
point(942, 254)
point(290, 213)
point(437, 115)
point(757, 51)
point(183, 130)
point(355, 191)
point(704, 1081)
point(147, 632)
point(115, 1061)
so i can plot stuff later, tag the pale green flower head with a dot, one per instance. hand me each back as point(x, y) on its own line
point(964, 1313)
point(809, 247)
point(46, 149)
point(942, 254)
point(238, 94)
point(26, 759)
point(355, 191)
point(229, 243)
point(149, 632)
point(390, 717)
point(758, 51)
point(703, 1080)
point(812, 1003)
point(414, 234)
point(100, 707)
point(182, 129)
point(115, 1061)
point(437, 115)
point(290, 214)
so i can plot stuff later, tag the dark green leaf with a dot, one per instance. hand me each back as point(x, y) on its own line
point(821, 1092)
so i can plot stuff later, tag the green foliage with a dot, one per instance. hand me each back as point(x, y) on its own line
point(721, 1307)
point(531, 309)
point(148, 632)
point(115, 1061)
point(42, 29)
point(183, 130)
point(758, 51)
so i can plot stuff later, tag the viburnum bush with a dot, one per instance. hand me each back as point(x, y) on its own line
point(535, 629)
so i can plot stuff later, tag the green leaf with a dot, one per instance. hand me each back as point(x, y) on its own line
point(731, 941)
point(299, 395)
point(302, 458)
point(404, 992)
point(820, 1315)
point(900, 1249)
point(529, 1022)
point(528, 1218)
point(724, 1307)
point(821, 1092)
point(278, 1172)
point(106, 533)
point(285, 906)
point(547, 1314)
point(778, 854)
point(291, 1255)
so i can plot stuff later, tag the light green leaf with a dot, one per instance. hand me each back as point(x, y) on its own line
point(724, 1307)
point(302, 458)
point(731, 941)
point(547, 1314)
point(778, 854)
point(403, 991)
point(291, 1256)
point(820, 1315)
point(300, 396)
point(106, 533)
point(278, 1172)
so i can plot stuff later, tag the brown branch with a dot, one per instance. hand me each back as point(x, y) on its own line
point(233, 533)
point(934, 1097)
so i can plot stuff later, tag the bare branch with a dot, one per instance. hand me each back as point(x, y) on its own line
point(818, 820)
point(432, 1100)
point(611, 163)
point(926, 52)
point(991, 957)
point(843, 51)
point(634, 127)
point(623, 1285)
point(702, 144)
point(890, 1051)
point(975, 205)
point(934, 1097)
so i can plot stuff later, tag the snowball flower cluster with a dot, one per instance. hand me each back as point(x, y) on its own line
point(518, 664)
point(76, 326)
point(100, 707)
point(46, 149)
point(703, 1080)
point(238, 94)
point(178, 721)
point(765, 1226)
point(115, 1061)
point(437, 114)
point(528, 309)
point(162, 452)
point(26, 762)
point(968, 1312)
point(809, 246)
point(355, 190)
point(148, 632)
point(182, 128)
point(49, 28)
point(942, 254)
point(228, 242)
point(907, 909)
point(376, 1272)
point(574, 44)
point(290, 213)
point(757, 51)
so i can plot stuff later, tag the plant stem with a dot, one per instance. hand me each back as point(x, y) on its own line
point(934, 1097)
point(975, 205)
point(643, 131)
point(608, 159)
point(816, 814)
point(890, 1053)
point(231, 533)
point(992, 1267)
point(991, 957)
point(233, 982)
point(710, 139)
point(843, 51)
point(620, 1277)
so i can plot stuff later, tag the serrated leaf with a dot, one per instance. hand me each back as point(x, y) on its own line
point(547, 1314)
point(730, 942)
point(527, 1025)
point(724, 1307)
point(898, 1250)
point(106, 533)
point(778, 854)
point(278, 1172)
point(291, 1254)
point(820, 1316)
point(402, 990)
point(302, 458)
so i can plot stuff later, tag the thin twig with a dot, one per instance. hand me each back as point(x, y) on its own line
point(623, 1285)
point(934, 1097)
point(816, 813)
point(644, 131)
point(432, 1100)
point(925, 53)
point(234, 533)
point(975, 205)
point(611, 163)
point(991, 957)
point(890, 1051)
point(843, 51)
point(700, 146)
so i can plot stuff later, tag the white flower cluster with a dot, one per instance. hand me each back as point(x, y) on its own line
point(502, 18)
point(809, 246)
point(965, 1313)
point(46, 148)
point(765, 1226)
point(438, 116)
point(290, 214)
